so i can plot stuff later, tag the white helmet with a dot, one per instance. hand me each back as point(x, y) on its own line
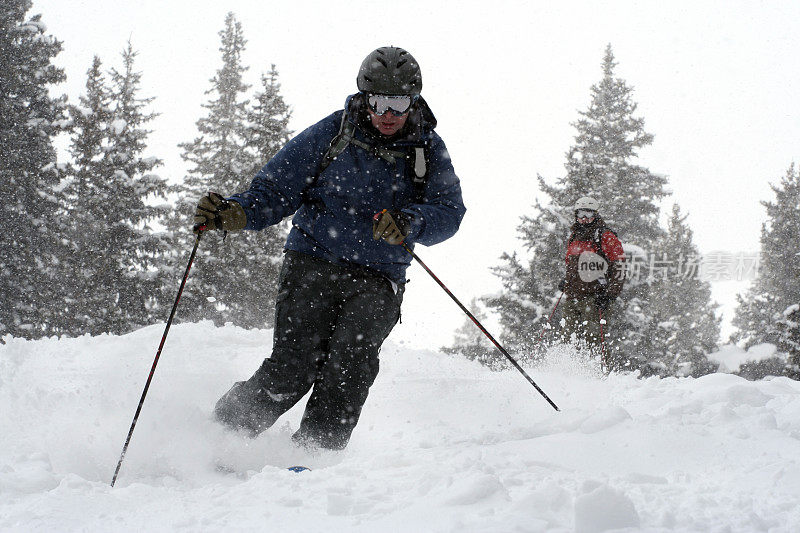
point(587, 202)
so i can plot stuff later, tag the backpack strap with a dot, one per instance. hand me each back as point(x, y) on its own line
point(338, 144)
point(346, 136)
point(420, 177)
point(598, 240)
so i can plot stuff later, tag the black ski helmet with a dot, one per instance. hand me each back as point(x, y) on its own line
point(390, 70)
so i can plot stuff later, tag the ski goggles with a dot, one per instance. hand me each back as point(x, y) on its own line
point(585, 213)
point(398, 105)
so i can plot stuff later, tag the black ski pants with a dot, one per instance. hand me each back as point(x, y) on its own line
point(330, 322)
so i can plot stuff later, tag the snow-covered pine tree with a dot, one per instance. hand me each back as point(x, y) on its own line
point(789, 341)
point(83, 188)
point(470, 341)
point(259, 254)
point(112, 192)
point(768, 310)
point(601, 164)
point(529, 290)
point(683, 325)
point(136, 202)
point(236, 279)
point(89, 121)
point(31, 243)
point(268, 121)
point(218, 162)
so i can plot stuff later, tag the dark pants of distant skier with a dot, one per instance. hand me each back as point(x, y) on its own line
point(582, 322)
point(330, 322)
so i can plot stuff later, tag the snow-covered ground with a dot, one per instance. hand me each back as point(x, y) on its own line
point(443, 445)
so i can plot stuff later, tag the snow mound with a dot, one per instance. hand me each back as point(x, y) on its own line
point(730, 357)
point(443, 445)
point(602, 508)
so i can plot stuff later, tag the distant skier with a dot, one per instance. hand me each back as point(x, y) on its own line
point(595, 274)
point(359, 183)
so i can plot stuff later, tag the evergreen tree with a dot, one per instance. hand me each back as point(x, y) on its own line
point(789, 340)
point(683, 324)
point(136, 201)
point(90, 120)
point(236, 278)
point(266, 133)
point(600, 164)
point(268, 121)
point(529, 287)
point(112, 193)
point(768, 311)
point(470, 342)
point(84, 192)
point(31, 243)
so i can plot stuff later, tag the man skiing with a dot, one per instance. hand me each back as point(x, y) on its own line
point(359, 183)
point(594, 277)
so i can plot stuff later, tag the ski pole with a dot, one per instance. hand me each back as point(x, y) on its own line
point(603, 364)
point(541, 333)
point(200, 230)
point(480, 326)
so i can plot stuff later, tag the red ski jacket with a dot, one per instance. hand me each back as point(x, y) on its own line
point(595, 261)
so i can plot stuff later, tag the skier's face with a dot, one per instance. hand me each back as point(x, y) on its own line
point(387, 124)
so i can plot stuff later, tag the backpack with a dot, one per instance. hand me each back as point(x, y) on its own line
point(347, 129)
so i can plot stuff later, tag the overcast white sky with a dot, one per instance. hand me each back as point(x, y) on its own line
point(717, 83)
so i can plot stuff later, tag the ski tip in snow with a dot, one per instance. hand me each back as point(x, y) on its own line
point(298, 468)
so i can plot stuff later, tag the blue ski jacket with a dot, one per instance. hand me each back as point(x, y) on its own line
point(333, 212)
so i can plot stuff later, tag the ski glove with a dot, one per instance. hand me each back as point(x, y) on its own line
point(391, 226)
point(215, 212)
point(602, 301)
point(562, 285)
